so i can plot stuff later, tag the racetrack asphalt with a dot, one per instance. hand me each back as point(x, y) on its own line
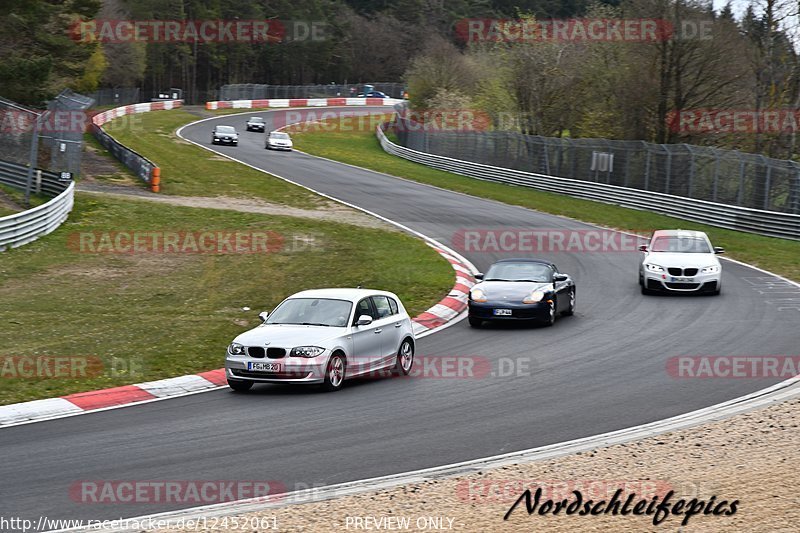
point(603, 369)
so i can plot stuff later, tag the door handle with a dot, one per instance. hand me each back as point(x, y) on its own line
point(398, 325)
point(378, 330)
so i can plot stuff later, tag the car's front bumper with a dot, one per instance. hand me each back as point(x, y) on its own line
point(659, 281)
point(293, 369)
point(225, 140)
point(279, 147)
point(519, 311)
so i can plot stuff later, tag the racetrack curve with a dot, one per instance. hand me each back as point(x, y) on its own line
point(599, 371)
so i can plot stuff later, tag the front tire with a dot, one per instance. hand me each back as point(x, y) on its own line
point(405, 358)
point(571, 309)
point(475, 322)
point(551, 315)
point(334, 373)
point(238, 385)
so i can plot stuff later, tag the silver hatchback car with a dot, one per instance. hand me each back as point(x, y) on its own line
point(324, 336)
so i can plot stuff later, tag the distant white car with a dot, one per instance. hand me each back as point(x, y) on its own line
point(278, 140)
point(324, 336)
point(680, 261)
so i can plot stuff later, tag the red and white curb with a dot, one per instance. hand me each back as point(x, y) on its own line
point(300, 102)
point(107, 116)
point(437, 316)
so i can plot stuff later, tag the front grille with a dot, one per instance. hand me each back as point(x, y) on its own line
point(276, 353)
point(255, 351)
point(683, 286)
point(682, 271)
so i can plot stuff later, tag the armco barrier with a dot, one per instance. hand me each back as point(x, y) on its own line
point(141, 166)
point(22, 228)
point(769, 223)
point(300, 102)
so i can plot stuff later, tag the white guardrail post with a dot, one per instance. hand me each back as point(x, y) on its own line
point(768, 223)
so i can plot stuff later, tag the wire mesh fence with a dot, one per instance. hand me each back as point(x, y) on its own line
point(47, 140)
point(705, 173)
point(112, 97)
point(17, 124)
point(65, 139)
point(252, 91)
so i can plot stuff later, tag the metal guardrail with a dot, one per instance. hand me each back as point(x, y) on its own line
point(138, 164)
point(148, 171)
point(22, 228)
point(769, 223)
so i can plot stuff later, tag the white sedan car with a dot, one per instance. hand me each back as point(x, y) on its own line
point(680, 261)
point(324, 336)
point(278, 140)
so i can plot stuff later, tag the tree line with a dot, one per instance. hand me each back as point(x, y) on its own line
point(553, 87)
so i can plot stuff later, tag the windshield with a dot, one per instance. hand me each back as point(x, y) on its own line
point(519, 272)
point(312, 312)
point(226, 129)
point(675, 244)
point(279, 135)
point(256, 119)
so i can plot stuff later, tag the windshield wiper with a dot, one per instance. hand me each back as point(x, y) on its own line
point(314, 324)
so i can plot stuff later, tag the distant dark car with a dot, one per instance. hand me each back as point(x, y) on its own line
point(373, 94)
point(225, 135)
point(521, 289)
point(256, 124)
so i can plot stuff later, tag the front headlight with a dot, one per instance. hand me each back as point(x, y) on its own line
point(236, 349)
point(653, 268)
point(713, 269)
point(307, 351)
point(534, 297)
point(477, 295)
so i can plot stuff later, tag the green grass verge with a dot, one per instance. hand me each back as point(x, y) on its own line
point(147, 316)
point(362, 148)
point(173, 314)
point(189, 170)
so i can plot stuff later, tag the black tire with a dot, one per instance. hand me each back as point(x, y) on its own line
point(571, 309)
point(332, 385)
point(551, 316)
point(475, 322)
point(647, 291)
point(405, 358)
point(240, 385)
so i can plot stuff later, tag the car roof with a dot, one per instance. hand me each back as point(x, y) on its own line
point(343, 293)
point(525, 260)
point(679, 233)
point(256, 118)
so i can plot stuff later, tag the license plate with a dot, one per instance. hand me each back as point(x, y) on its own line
point(689, 280)
point(502, 312)
point(264, 367)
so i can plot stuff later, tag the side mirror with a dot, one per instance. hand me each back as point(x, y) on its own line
point(364, 320)
point(560, 277)
point(642, 247)
point(263, 315)
point(479, 275)
point(718, 250)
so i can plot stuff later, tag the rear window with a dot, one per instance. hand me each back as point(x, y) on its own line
point(393, 306)
point(382, 306)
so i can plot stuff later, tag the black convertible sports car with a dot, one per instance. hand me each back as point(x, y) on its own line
point(521, 289)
